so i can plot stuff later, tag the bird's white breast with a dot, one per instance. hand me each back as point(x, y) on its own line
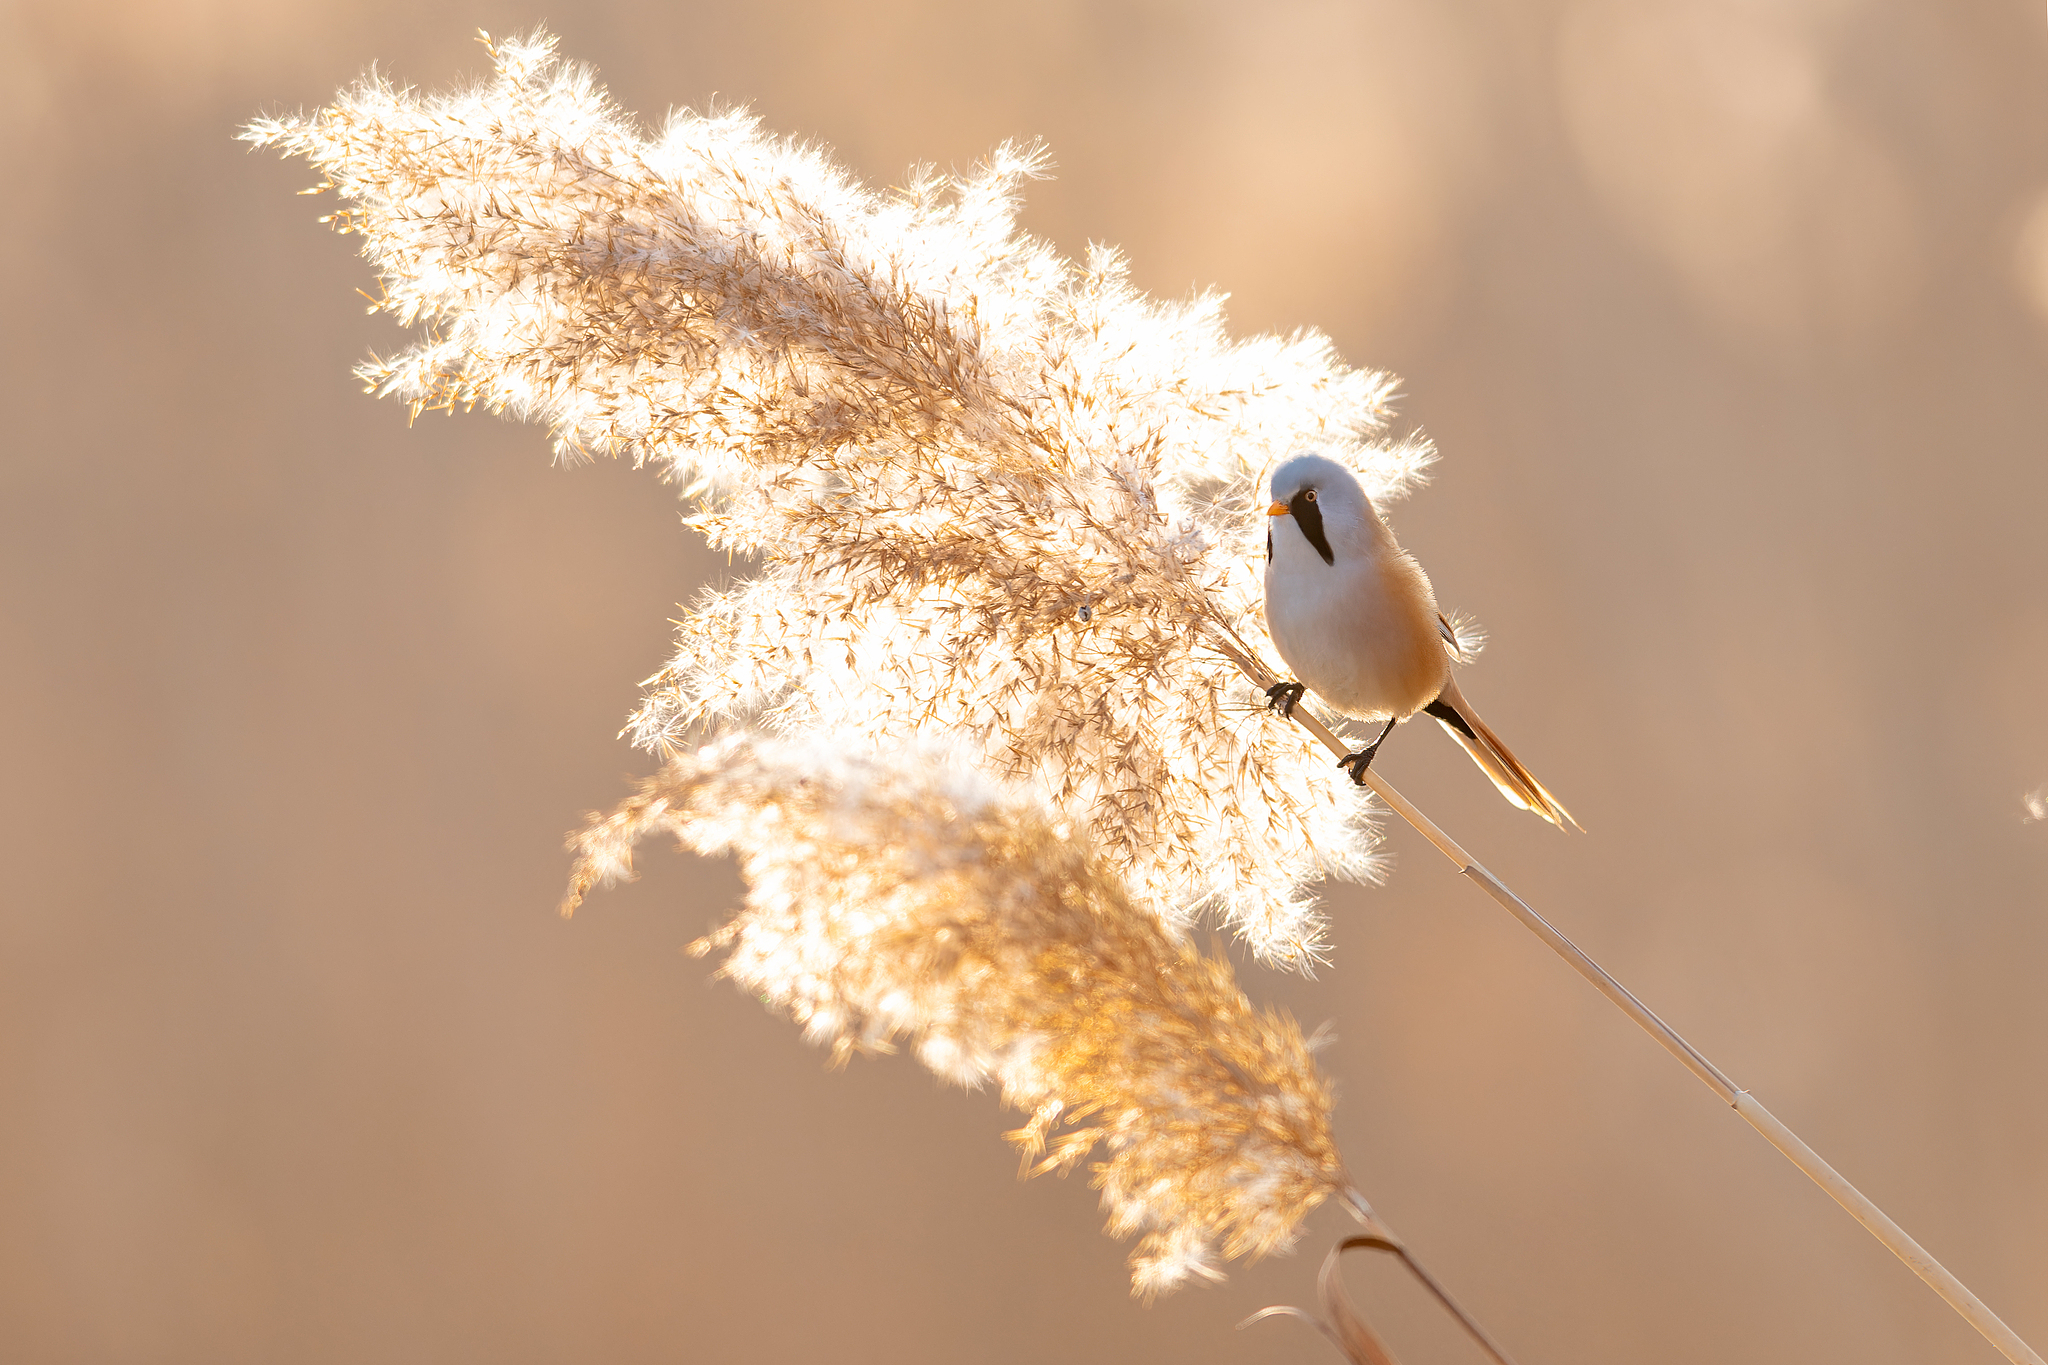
point(1361, 633)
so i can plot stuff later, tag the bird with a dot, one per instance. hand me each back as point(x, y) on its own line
point(1356, 621)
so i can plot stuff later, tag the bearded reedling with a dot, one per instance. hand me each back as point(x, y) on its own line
point(1353, 615)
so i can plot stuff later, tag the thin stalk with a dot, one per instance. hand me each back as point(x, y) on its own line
point(1382, 1237)
point(1343, 1326)
point(1860, 1207)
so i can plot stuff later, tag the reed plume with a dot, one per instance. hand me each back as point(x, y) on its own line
point(990, 491)
point(913, 900)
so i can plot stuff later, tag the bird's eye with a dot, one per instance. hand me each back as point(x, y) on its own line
point(1311, 495)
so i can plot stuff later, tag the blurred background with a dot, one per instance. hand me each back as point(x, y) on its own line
point(1730, 319)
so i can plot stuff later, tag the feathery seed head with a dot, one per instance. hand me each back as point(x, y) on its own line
point(914, 901)
point(990, 491)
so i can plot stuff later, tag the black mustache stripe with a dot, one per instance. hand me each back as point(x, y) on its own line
point(1309, 518)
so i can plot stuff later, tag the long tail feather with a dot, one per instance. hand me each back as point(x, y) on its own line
point(1495, 759)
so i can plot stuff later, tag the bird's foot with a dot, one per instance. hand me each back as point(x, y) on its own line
point(1357, 763)
point(1284, 697)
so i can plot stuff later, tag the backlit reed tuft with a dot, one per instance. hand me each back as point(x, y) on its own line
point(989, 491)
point(912, 900)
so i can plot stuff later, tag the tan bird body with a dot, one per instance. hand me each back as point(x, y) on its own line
point(1354, 617)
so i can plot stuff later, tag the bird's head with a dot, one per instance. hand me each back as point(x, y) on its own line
point(1326, 511)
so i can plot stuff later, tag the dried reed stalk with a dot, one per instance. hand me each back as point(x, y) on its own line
point(1859, 1205)
point(1341, 1323)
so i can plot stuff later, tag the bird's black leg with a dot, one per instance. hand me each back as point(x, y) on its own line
point(1283, 697)
point(1357, 763)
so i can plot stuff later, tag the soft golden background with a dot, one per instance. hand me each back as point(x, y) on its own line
point(1730, 319)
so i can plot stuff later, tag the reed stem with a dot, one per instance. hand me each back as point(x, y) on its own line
point(1873, 1218)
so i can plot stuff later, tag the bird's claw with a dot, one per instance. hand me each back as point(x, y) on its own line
point(1284, 697)
point(1357, 763)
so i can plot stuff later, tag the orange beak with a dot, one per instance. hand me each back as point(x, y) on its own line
point(1278, 509)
